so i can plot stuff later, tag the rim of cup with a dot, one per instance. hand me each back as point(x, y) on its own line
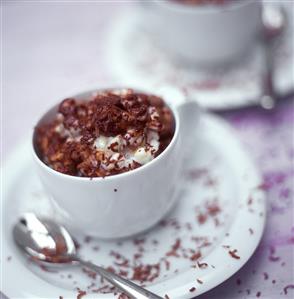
point(110, 177)
point(202, 9)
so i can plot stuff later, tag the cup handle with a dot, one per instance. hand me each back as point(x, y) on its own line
point(189, 115)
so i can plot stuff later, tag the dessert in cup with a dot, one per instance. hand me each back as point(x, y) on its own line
point(110, 159)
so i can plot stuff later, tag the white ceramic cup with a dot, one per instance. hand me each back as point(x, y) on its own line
point(124, 204)
point(206, 35)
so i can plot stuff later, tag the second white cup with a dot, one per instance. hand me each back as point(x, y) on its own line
point(206, 35)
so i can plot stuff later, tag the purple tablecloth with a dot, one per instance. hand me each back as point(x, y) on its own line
point(51, 48)
point(270, 140)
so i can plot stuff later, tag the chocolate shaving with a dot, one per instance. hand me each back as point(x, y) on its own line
point(265, 275)
point(286, 288)
point(202, 265)
point(195, 256)
point(233, 254)
point(81, 294)
point(174, 249)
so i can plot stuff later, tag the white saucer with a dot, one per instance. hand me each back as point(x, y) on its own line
point(136, 60)
point(219, 174)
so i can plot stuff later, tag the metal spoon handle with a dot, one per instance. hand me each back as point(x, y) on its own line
point(126, 286)
point(268, 98)
point(274, 22)
point(269, 82)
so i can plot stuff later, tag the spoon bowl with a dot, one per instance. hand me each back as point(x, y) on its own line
point(45, 241)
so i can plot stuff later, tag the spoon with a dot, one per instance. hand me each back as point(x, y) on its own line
point(48, 242)
point(274, 22)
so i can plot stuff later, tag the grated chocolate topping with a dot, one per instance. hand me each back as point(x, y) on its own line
point(109, 133)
